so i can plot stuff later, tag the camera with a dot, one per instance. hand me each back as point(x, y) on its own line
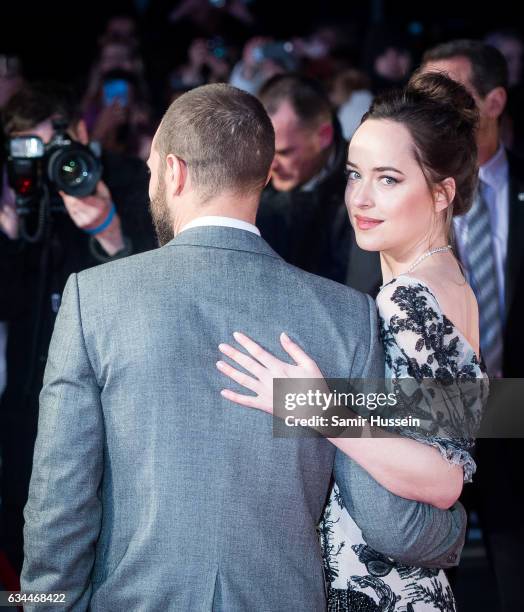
point(36, 169)
point(281, 52)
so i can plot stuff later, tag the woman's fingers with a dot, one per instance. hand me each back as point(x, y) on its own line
point(256, 351)
point(238, 398)
point(242, 379)
point(243, 360)
point(297, 354)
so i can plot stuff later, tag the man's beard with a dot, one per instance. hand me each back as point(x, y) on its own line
point(161, 217)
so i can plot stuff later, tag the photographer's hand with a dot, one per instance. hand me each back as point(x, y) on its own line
point(250, 59)
point(8, 215)
point(91, 211)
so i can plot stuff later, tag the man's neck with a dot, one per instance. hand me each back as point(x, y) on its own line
point(323, 168)
point(242, 209)
point(488, 145)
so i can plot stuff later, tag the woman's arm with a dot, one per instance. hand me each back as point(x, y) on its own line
point(403, 466)
point(407, 468)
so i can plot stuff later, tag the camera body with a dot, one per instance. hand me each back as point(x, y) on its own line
point(63, 164)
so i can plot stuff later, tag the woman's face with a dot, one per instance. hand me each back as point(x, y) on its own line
point(388, 199)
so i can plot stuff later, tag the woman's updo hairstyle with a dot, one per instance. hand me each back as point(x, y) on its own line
point(442, 119)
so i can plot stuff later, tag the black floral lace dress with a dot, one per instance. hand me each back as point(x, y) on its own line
point(419, 343)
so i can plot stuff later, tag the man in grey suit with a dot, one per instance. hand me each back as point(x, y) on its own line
point(149, 490)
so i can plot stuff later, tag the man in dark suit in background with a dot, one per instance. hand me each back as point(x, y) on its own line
point(490, 242)
point(302, 212)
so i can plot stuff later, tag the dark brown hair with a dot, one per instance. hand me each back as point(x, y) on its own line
point(225, 137)
point(441, 117)
point(38, 102)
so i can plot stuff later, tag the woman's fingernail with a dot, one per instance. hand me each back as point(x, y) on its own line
point(221, 347)
point(236, 335)
point(284, 336)
point(219, 364)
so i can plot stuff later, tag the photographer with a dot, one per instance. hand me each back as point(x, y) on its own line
point(57, 235)
point(256, 66)
point(207, 62)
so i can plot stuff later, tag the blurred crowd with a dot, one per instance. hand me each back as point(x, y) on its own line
point(315, 87)
point(129, 86)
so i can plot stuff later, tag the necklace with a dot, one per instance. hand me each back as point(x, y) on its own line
point(427, 254)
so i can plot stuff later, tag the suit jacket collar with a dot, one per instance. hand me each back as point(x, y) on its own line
point(222, 237)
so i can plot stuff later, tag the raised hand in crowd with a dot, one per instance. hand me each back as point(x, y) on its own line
point(8, 215)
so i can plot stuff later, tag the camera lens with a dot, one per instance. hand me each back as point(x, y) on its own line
point(74, 170)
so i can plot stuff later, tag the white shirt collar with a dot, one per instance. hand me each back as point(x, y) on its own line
point(494, 172)
point(221, 221)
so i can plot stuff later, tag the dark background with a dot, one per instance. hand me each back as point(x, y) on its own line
point(59, 39)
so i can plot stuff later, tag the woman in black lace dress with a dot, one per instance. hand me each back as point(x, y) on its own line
point(411, 167)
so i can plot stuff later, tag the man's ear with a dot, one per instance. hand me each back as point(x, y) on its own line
point(176, 175)
point(325, 134)
point(444, 194)
point(81, 133)
point(495, 102)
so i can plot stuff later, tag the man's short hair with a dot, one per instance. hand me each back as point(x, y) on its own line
point(306, 97)
point(488, 66)
point(37, 102)
point(225, 137)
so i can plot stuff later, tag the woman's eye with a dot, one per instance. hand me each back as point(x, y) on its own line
point(388, 180)
point(352, 175)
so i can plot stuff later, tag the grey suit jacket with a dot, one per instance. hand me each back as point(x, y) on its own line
point(149, 490)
